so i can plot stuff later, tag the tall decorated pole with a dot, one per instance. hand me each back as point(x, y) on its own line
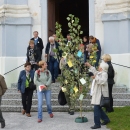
point(74, 77)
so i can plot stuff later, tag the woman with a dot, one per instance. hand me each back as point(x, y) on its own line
point(33, 55)
point(23, 87)
point(100, 87)
point(43, 79)
point(85, 43)
point(107, 58)
point(94, 40)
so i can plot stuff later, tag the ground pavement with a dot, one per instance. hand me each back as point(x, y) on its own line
point(61, 121)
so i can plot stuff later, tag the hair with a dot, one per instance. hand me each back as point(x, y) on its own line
point(85, 37)
point(106, 57)
point(35, 32)
point(27, 64)
point(41, 63)
point(51, 37)
point(91, 37)
point(68, 34)
point(104, 66)
point(31, 42)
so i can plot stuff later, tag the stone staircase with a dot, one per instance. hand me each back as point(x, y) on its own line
point(11, 101)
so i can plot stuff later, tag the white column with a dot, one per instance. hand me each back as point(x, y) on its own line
point(92, 17)
point(44, 23)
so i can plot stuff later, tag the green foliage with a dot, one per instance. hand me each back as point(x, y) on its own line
point(70, 78)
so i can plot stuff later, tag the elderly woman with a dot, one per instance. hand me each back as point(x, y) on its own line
point(111, 73)
point(43, 82)
point(100, 87)
point(23, 87)
point(33, 55)
point(53, 58)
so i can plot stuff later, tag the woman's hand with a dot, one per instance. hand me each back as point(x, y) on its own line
point(87, 64)
point(93, 77)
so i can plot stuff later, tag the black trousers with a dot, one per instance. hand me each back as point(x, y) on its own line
point(27, 99)
point(34, 67)
point(1, 116)
point(110, 86)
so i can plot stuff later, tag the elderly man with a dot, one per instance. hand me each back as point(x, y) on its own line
point(3, 89)
point(38, 41)
point(52, 57)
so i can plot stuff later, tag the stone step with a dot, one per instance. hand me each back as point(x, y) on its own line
point(54, 102)
point(86, 102)
point(10, 108)
point(56, 89)
point(55, 96)
point(121, 95)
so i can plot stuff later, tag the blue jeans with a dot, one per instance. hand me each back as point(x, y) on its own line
point(99, 114)
point(53, 67)
point(47, 94)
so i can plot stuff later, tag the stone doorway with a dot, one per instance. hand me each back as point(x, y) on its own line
point(58, 10)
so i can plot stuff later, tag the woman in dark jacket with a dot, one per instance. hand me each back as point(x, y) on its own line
point(33, 55)
point(23, 87)
point(107, 59)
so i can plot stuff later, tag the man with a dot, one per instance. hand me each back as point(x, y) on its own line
point(3, 88)
point(94, 40)
point(53, 58)
point(55, 37)
point(68, 39)
point(38, 41)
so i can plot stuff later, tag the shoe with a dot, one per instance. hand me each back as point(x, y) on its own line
point(68, 112)
point(95, 127)
point(51, 115)
point(39, 120)
point(28, 115)
point(23, 111)
point(2, 124)
point(105, 122)
point(71, 113)
point(53, 82)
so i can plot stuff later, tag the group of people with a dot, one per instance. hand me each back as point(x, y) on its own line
point(44, 73)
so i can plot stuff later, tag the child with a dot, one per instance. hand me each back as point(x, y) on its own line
point(100, 84)
point(82, 58)
point(107, 58)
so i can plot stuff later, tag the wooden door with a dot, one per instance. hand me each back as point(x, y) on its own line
point(51, 17)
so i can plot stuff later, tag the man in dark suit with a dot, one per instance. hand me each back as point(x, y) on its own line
point(38, 41)
point(52, 57)
point(68, 39)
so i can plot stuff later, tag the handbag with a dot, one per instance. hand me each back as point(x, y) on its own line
point(31, 85)
point(105, 101)
point(61, 98)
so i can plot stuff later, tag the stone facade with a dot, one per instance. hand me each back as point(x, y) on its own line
point(108, 21)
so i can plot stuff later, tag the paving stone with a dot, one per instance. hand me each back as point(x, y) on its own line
point(61, 121)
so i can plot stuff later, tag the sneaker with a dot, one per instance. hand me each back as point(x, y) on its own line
point(2, 124)
point(39, 120)
point(23, 111)
point(51, 115)
point(28, 115)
